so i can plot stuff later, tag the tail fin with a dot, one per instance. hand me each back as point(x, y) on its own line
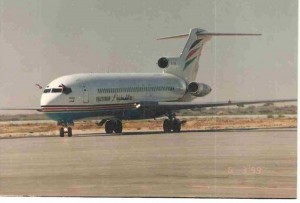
point(188, 62)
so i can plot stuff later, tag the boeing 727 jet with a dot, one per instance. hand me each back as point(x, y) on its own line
point(115, 97)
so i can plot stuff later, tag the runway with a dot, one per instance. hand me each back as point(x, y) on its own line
point(218, 163)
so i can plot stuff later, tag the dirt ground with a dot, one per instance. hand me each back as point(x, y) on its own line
point(25, 129)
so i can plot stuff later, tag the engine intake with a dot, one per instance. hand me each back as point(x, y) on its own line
point(163, 62)
point(198, 89)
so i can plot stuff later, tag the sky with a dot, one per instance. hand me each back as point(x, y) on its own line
point(41, 40)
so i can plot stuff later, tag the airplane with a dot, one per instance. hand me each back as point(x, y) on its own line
point(114, 97)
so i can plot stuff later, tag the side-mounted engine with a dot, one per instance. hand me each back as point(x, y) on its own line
point(198, 89)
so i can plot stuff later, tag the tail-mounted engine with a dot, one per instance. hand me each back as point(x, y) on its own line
point(198, 89)
point(165, 62)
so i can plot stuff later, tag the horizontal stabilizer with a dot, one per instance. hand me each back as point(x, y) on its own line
point(174, 37)
point(227, 34)
point(210, 34)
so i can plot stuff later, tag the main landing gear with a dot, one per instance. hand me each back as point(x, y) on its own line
point(65, 129)
point(113, 126)
point(172, 124)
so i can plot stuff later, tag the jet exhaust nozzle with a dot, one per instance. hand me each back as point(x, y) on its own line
point(198, 89)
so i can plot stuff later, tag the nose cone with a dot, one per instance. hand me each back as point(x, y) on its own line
point(50, 99)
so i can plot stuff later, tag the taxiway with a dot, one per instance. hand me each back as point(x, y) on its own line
point(256, 163)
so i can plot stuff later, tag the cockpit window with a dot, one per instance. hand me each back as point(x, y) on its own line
point(56, 90)
point(47, 90)
point(67, 90)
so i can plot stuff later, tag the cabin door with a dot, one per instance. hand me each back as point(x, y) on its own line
point(85, 94)
point(149, 92)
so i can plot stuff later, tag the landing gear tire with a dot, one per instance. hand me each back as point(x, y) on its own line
point(118, 127)
point(176, 125)
point(167, 126)
point(65, 128)
point(113, 126)
point(110, 126)
point(172, 125)
point(61, 132)
point(70, 132)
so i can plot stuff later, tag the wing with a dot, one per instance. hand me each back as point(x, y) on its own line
point(21, 109)
point(191, 105)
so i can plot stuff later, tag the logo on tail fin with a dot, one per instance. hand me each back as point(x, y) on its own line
point(195, 43)
point(189, 62)
point(191, 53)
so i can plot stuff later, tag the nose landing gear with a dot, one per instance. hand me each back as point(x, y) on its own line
point(65, 129)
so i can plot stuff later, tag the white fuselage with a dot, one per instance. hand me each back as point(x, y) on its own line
point(108, 91)
point(94, 89)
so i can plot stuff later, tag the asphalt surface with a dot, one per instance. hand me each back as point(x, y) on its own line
point(242, 163)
